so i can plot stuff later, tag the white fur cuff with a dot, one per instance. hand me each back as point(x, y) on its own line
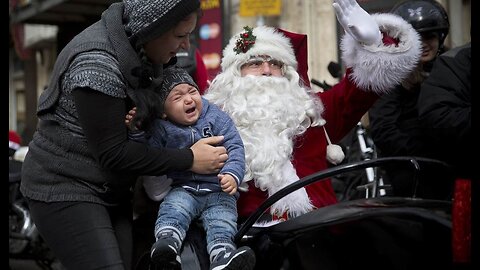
point(380, 68)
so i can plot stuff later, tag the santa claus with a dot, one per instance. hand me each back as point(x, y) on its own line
point(264, 88)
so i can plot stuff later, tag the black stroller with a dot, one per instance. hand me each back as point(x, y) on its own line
point(381, 232)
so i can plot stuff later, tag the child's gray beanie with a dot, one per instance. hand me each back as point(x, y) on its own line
point(173, 76)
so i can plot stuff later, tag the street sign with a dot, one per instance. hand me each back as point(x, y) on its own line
point(249, 8)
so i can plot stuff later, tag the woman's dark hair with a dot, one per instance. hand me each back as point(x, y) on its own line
point(148, 98)
point(149, 108)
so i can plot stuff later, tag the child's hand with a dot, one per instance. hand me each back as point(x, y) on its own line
point(228, 183)
point(129, 117)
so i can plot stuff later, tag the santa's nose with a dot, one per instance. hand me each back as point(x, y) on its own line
point(266, 69)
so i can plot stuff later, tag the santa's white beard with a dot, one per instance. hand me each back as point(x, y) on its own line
point(269, 113)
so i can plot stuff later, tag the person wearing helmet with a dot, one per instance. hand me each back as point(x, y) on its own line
point(430, 20)
point(394, 123)
point(445, 112)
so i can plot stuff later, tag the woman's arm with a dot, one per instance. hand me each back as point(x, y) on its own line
point(102, 119)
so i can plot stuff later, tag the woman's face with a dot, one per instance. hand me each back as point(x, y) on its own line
point(166, 46)
point(430, 46)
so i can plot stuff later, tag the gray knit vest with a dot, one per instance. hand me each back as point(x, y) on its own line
point(59, 166)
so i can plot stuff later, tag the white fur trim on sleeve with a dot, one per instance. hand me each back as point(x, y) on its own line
point(380, 68)
point(297, 202)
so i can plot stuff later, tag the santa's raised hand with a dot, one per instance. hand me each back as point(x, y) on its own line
point(357, 22)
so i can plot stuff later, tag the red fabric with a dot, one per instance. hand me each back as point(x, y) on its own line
point(299, 43)
point(18, 37)
point(14, 137)
point(462, 221)
point(201, 74)
point(344, 105)
point(283, 217)
point(388, 40)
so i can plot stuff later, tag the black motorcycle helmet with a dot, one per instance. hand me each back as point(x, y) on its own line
point(424, 16)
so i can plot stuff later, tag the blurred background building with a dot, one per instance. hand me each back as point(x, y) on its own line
point(40, 28)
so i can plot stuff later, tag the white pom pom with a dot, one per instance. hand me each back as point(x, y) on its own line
point(335, 154)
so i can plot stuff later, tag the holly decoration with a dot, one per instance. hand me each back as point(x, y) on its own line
point(246, 41)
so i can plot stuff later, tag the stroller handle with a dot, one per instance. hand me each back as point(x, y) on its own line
point(324, 175)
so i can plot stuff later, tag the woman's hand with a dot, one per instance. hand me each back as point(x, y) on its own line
point(357, 22)
point(207, 157)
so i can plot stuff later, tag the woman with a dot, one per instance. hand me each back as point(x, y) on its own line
point(80, 166)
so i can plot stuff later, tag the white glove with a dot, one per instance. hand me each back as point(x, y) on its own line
point(357, 22)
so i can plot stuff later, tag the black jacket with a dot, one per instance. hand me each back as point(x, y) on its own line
point(445, 109)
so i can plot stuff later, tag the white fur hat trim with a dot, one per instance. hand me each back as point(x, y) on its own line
point(269, 41)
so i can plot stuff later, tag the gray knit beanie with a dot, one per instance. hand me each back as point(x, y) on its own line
point(173, 76)
point(146, 20)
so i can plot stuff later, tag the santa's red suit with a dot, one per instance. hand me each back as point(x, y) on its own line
point(371, 71)
point(341, 108)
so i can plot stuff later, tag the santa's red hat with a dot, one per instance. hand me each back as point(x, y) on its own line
point(14, 140)
point(299, 44)
point(266, 41)
point(288, 47)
